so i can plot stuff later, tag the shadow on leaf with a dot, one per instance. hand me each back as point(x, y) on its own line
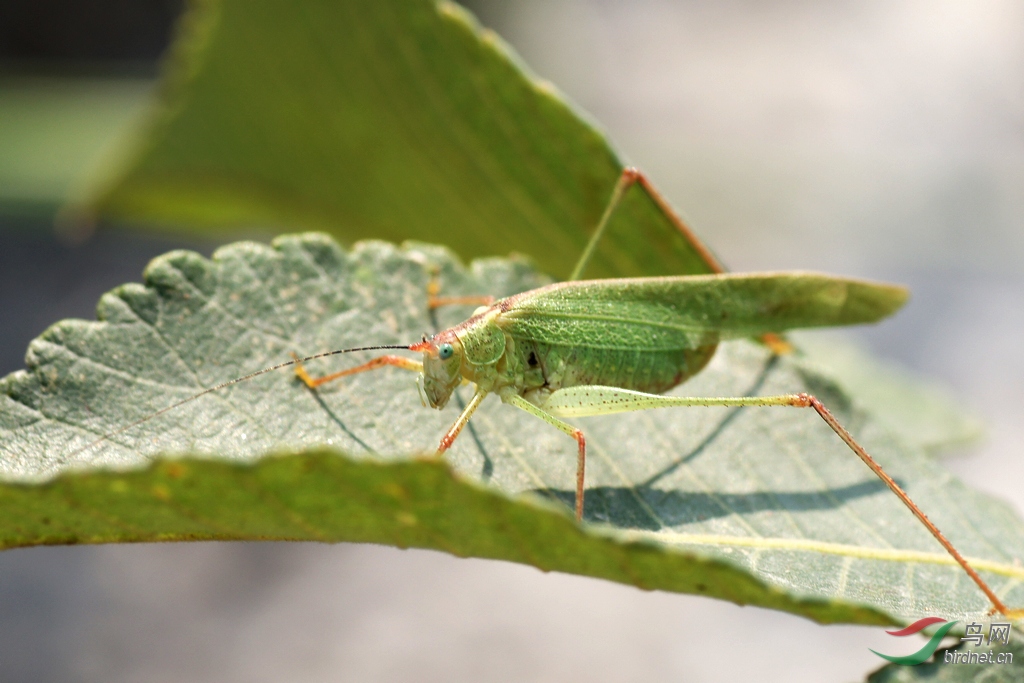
point(652, 509)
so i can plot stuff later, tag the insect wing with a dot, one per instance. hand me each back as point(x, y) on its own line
point(654, 314)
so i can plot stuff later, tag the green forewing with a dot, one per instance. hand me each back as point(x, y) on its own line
point(656, 314)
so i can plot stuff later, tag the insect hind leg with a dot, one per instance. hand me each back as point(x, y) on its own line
point(633, 176)
point(580, 401)
point(706, 262)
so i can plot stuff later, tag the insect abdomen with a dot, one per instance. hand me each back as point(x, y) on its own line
point(648, 371)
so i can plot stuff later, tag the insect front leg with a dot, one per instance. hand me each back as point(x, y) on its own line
point(456, 428)
point(382, 361)
point(581, 441)
point(583, 401)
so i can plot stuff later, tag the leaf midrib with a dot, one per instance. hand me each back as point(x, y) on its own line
point(823, 547)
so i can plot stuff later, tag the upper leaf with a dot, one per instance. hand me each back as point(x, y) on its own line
point(762, 506)
point(393, 120)
point(54, 130)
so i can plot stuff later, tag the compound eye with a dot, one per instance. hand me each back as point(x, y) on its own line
point(445, 351)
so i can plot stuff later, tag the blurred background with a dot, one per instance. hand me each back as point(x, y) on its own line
point(882, 139)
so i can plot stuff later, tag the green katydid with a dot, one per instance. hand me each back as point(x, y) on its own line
point(598, 347)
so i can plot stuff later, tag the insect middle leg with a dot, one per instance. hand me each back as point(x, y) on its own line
point(434, 300)
point(581, 441)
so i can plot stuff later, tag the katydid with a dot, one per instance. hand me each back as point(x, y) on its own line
point(597, 347)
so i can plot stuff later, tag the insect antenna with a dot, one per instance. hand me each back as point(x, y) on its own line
point(224, 385)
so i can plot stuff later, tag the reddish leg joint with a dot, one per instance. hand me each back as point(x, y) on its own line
point(447, 440)
point(630, 175)
point(806, 401)
point(633, 175)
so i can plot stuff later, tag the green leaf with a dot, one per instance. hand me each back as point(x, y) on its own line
point(919, 410)
point(55, 131)
point(758, 506)
point(392, 120)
